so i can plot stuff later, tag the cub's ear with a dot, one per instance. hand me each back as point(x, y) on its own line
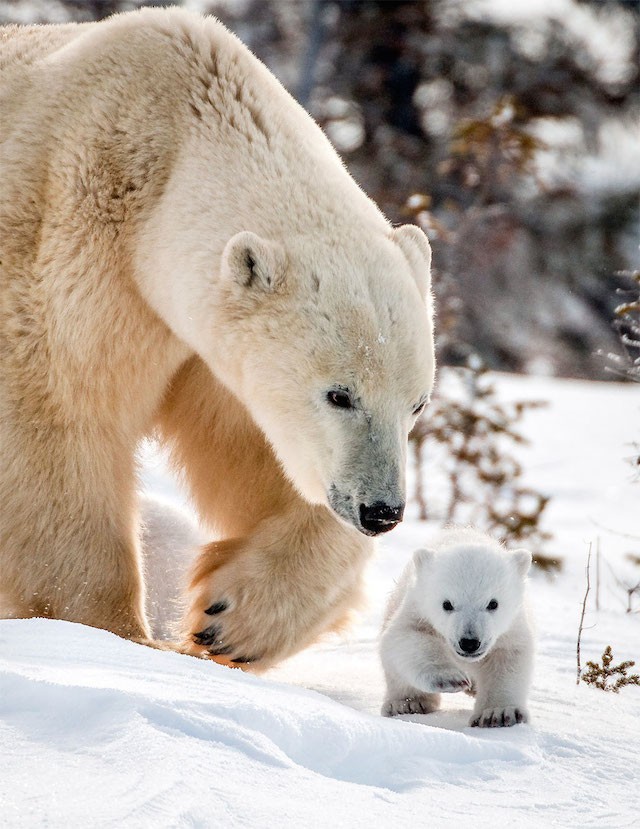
point(522, 559)
point(415, 246)
point(254, 262)
point(422, 558)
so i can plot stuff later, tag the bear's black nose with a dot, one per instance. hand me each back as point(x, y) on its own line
point(380, 517)
point(469, 645)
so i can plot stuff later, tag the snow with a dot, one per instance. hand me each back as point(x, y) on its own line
point(97, 731)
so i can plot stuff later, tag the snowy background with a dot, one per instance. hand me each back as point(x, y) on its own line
point(97, 731)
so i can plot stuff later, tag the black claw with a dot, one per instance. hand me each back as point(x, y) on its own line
point(222, 650)
point(207, 636)
point(216, 607)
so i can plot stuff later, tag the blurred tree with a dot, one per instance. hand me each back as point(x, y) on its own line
point(471, 108)
point(627, 324)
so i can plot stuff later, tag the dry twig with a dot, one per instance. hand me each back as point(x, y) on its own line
point(584, 607)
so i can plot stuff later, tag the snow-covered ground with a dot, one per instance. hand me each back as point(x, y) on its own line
point(96, 731)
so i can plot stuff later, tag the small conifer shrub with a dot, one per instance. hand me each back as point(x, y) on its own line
point(609, 677)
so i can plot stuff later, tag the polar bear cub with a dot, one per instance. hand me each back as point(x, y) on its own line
point(457, 621)
point(170, 541)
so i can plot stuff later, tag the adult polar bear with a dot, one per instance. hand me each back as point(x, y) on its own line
point(183, 251)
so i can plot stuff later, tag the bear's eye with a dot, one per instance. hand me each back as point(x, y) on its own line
point(446, 605)
point(493, 605)
point(419, 408)
point(340, 398)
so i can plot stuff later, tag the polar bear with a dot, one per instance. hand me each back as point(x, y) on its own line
point(457, 621)
point(184, 254)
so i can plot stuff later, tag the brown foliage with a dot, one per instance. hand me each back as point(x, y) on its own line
point(474, 429)
point(610, 677)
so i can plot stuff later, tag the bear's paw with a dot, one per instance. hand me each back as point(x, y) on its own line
point(450, 682)
point(244, 613)
point(500, 717)
point(422, 704)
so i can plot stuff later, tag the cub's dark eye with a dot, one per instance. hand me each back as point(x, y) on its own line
point(340, 398)
point(446, 605)
point(493, 605)
point(419, 408)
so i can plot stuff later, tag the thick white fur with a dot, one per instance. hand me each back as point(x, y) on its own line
point(184, 254)
point(170, 540)
point(420, 641)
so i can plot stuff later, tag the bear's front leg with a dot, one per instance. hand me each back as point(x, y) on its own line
point(260, 599)
point(417, 667)
point(503, 680)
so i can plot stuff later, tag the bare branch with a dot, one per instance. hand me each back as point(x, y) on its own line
point(584, 607)
point(614, 532)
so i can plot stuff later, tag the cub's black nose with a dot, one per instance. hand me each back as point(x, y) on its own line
point(380, 517)
point(469, 645)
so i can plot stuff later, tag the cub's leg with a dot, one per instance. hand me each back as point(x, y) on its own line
point(170, 542)
point(286, 570)
point(502, 681)
point(417, 668)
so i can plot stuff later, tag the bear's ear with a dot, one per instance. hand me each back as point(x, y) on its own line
point(254, 262)
point(522, 560)
point(422, 558)
point(415, 246)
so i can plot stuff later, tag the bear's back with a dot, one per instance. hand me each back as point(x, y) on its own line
point(140, 87)
point(21, 46)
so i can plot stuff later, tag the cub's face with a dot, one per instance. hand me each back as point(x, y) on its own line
point(334, 360)
point(470, 594)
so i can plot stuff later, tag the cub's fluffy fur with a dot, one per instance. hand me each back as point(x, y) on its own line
point(457, 621)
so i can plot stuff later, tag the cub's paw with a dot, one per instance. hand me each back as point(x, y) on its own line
point(500, 717)
point(447, 683)
point(419, 704)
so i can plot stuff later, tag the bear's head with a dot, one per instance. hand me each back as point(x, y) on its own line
point(470, 593)
point(333, 355)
